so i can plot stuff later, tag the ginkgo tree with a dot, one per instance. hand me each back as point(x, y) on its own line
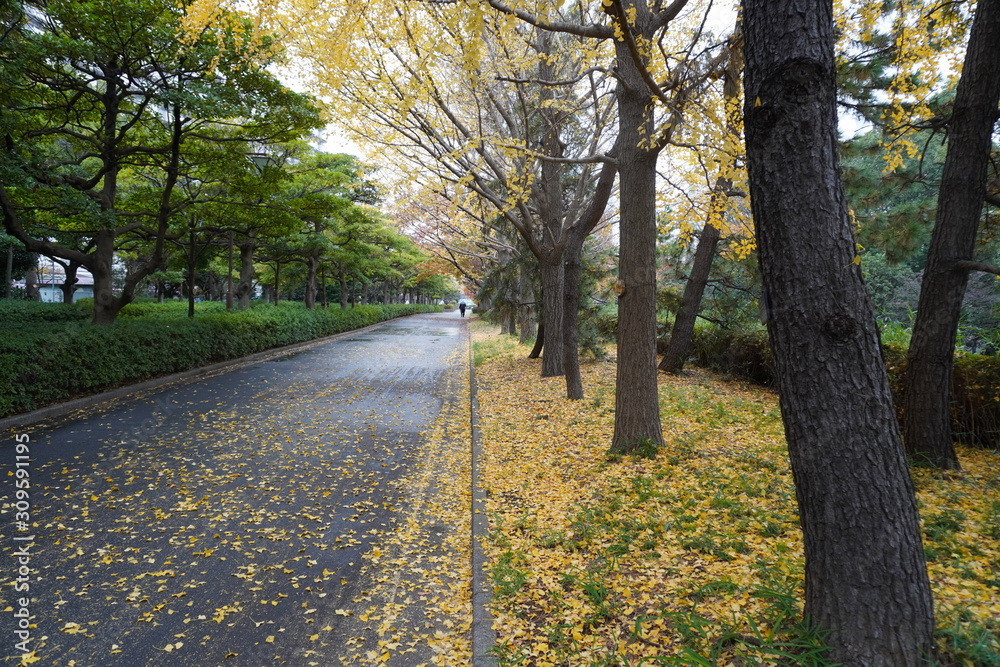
point(971, 128)
point(663, 60)
point(483, 108)
point(715, 155)
point(489, 111)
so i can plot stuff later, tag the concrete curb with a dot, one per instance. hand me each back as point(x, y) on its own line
point(60, 409)
point(484, 637)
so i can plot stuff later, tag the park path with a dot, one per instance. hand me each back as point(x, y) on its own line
point(308, 509)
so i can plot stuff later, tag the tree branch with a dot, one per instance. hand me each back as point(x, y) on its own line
point(969, 265)
point(567, 82)
point(589, 30)
point(619, 15)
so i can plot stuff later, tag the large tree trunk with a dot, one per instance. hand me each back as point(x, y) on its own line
point(342, 278)
point(927, 415)
point(865, 577)
point(571, 324)
point(687, 314)
point(31, 289)
point(637, 408)
point(244, 290)
point(637, 405)
point(106, 306)
point(312, 266)
point(552, 316)
point(508, 320)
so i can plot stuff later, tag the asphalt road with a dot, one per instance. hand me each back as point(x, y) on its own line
point(303, 510)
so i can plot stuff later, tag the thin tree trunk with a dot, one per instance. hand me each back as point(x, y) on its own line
point(9, 279)
point(865, 577)
point(191, 258)
point(576, 237)
point(527, 324)
point(571, 325)
point(927, 404)
point(536, 351)
point(69, 284)
point(326, 301)
point(277, 282)
point(687, 314)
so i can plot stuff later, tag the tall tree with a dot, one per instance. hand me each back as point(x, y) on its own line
point(507, 113)
point(865, 577)
point(99, 91)
point(927, 416)
point(727, 159)
point(655, 86)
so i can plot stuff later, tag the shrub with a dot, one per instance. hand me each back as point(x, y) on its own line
point(975, 407)
point(745, 354)
point(45, 361)
point(16, 311)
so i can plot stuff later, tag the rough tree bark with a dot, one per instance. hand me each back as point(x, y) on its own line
point(312, 270)
point(865, 576)
point(571, 326)
point(927, 414)
point(527, 323)
point(637, 404)
point(549, 198)
point(244, 290)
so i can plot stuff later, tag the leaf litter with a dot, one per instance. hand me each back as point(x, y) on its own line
point(693, 557)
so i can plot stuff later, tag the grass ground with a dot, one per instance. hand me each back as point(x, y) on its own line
point(693, 557)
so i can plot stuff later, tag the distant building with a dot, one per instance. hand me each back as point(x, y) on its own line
point(51, 277)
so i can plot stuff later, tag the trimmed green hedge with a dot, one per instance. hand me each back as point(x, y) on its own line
point(975, 408)
point(17, 311)
point(44, 361)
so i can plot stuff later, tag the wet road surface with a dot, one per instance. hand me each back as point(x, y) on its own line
point(303, 510)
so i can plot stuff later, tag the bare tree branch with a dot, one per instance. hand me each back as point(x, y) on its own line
point(969, 265)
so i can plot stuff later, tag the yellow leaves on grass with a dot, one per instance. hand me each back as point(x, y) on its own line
point(638, 558)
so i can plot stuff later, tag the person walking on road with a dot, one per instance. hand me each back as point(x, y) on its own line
point(461, 308)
